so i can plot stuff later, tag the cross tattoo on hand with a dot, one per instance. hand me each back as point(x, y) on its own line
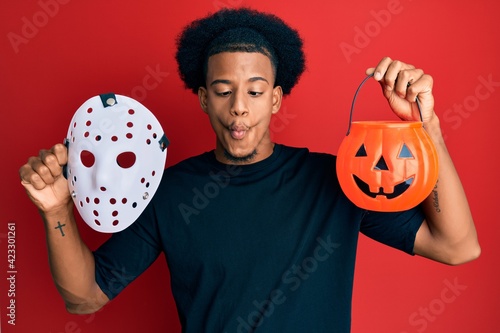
point(59, 226)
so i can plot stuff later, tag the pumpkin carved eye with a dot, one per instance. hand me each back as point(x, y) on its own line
point(405, 152)
point(361, 151)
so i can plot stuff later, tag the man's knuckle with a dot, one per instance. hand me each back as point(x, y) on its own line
point(43, 171)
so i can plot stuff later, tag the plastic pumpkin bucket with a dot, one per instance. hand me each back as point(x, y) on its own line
point(386, 165)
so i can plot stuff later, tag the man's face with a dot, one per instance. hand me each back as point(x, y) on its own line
point(239, 99)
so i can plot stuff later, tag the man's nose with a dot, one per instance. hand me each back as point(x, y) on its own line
point(239, 106)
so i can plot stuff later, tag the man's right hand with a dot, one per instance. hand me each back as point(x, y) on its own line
point(42, 177)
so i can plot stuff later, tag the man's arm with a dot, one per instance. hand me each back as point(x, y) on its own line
point(71, 261)
point(448, 233)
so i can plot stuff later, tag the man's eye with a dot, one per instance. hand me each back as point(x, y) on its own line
point(255, 93)
point(224, 93)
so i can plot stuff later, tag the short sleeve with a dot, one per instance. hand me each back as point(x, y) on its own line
point(395, 229)
point(127, 254)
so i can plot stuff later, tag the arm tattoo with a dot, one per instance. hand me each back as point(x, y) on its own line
point(435, 199)
point(60, 226)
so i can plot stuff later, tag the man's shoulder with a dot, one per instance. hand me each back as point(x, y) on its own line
point(307, 153)
point(200, 158)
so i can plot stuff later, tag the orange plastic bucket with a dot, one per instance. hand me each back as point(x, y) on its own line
point(386, 165)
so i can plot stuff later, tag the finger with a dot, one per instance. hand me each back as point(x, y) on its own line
point(421, 87)
point(25, 173)
point(60, 151)
point(54, 159)
point(47, 167)
point(393, 71)
point(380, 69)
point(405, 79)
point(31, 177)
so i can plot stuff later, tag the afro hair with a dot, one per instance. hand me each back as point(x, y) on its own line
point(240, 30)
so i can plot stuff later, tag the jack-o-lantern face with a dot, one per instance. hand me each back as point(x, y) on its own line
point(387, 166)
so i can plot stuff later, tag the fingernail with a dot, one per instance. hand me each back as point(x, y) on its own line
point(377, 76)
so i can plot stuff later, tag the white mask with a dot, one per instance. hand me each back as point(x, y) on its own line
point(116, 157)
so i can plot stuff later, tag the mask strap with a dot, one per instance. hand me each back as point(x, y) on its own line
point(164, 142)
point(65, 166)
point(108, 99)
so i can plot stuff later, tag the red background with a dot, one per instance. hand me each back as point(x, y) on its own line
point(57, 54)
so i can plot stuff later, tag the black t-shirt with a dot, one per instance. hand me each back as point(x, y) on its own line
point(265, 247)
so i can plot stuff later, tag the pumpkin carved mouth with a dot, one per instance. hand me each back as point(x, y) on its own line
point(398, 188)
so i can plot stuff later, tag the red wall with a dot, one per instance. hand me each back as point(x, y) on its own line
point(55, 54)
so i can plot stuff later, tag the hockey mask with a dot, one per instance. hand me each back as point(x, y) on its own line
point(116, 156)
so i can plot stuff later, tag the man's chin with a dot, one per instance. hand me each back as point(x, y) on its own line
point(241, 159)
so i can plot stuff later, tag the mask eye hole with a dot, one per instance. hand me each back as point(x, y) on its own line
point(87, 158)
point(126, 159)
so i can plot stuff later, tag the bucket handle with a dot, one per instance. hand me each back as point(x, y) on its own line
point(354, 100)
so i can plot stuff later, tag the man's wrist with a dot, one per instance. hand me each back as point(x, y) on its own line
point(63, 212)
point(433, 128)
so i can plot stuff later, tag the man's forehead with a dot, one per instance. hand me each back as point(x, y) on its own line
point(254, 65)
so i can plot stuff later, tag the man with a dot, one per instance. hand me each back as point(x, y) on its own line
point(272, 247)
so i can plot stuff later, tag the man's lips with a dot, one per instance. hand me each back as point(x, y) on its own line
point(238, 135)
point(238, 132)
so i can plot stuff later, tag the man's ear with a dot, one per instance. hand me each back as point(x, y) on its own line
point(277, 98)
point(202, 97)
